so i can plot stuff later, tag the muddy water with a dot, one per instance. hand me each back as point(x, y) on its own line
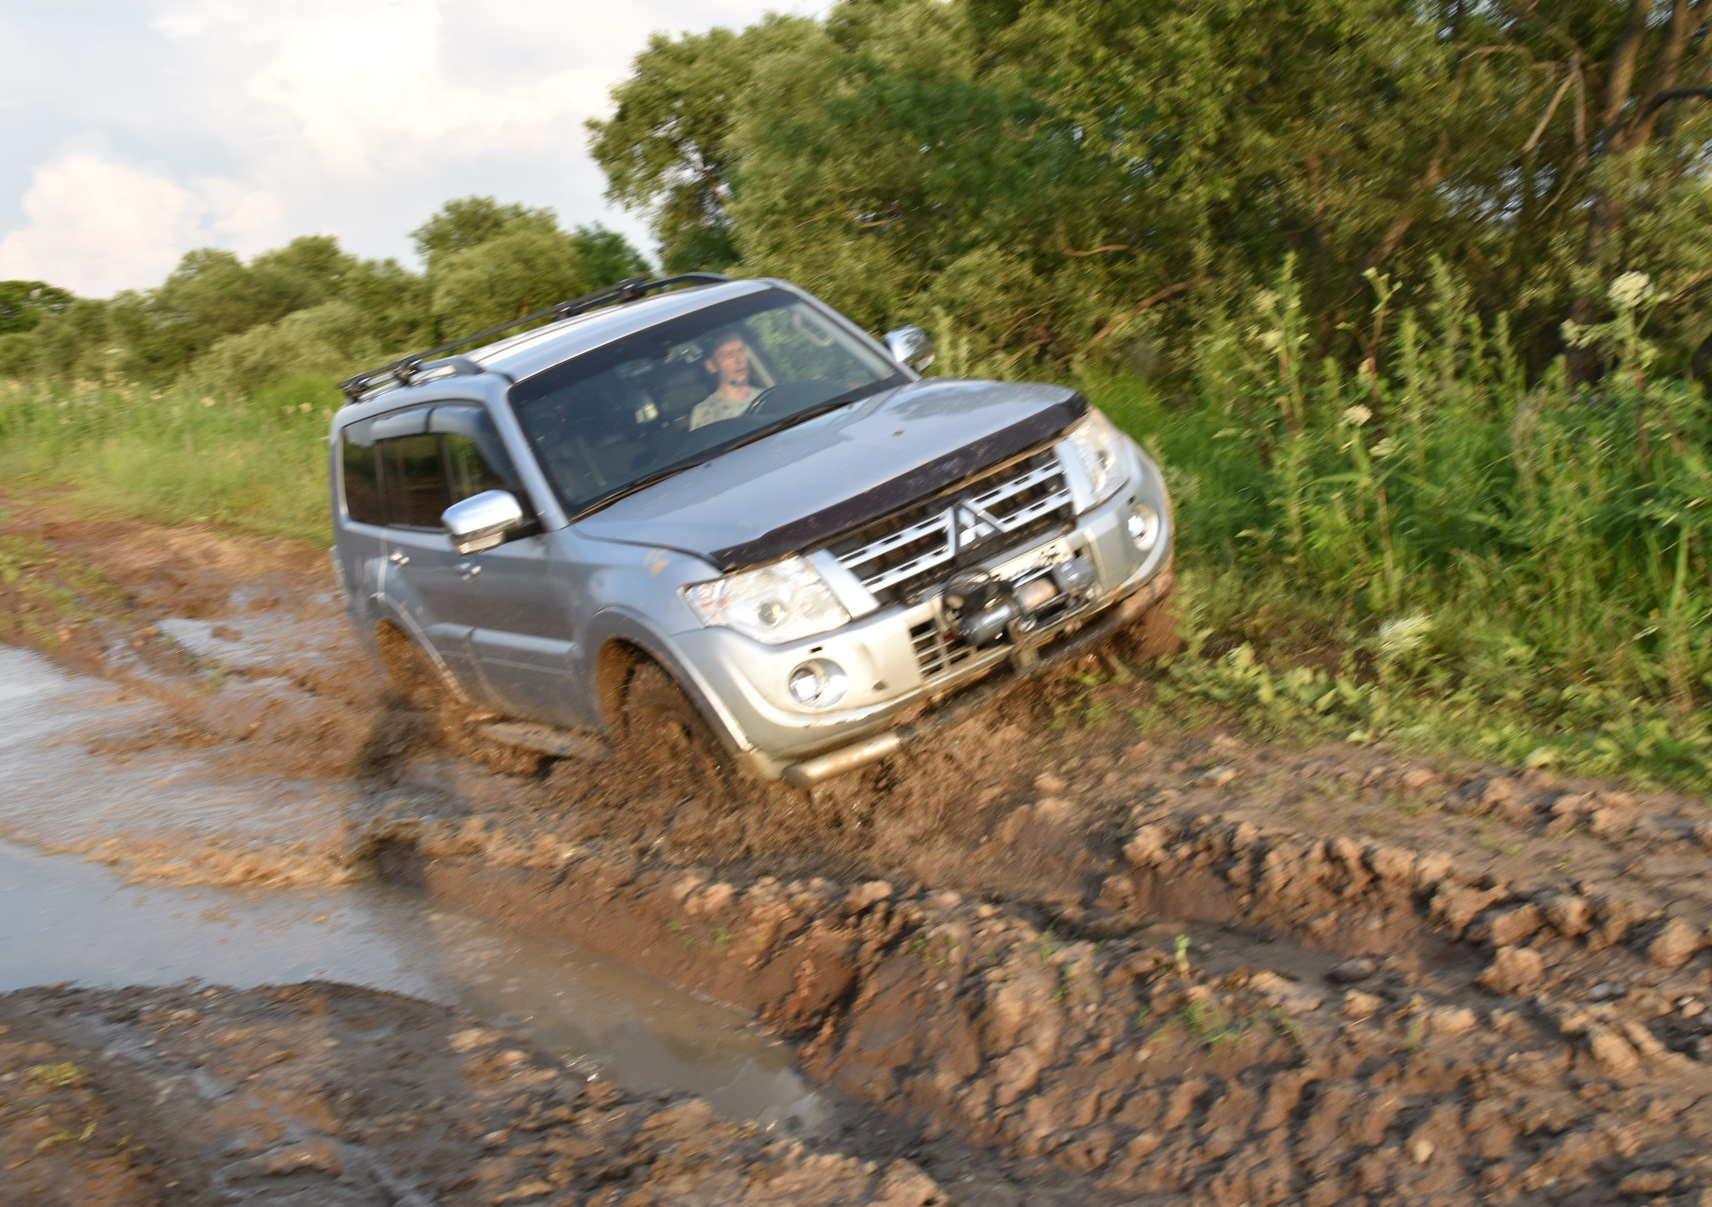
point(63, 918)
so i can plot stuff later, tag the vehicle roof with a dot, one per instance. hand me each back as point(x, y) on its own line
point(519, 356)
point(525, 355)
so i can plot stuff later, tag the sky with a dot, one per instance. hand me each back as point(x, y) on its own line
point(132, 131)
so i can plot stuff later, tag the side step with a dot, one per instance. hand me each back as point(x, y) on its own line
point(546, 739)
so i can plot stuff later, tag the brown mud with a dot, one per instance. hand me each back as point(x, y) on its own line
point(1171, 967)
point(327, 1094)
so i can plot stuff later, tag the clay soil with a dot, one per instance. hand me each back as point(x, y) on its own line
point(1050, 953)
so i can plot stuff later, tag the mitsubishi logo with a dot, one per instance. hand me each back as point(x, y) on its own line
point(967, 524)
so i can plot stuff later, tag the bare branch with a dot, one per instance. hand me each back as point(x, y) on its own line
point(1568, 79)
point(1686, 22)
point(1152, 299)
point(1680, 94)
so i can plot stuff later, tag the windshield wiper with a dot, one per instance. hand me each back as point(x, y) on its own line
point(642, 483)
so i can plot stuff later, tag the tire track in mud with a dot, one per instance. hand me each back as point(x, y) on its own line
point(1480, 1048)
point(1401, 982)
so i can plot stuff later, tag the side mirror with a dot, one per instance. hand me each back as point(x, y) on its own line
point(483, 521)
point(911, 346)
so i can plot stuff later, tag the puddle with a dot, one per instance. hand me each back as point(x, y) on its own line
point(63, 919)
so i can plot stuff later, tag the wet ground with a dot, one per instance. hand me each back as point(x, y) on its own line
point(1048, 958)
point(65, 919)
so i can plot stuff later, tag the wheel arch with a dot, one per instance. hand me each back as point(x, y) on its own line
point(619, 642)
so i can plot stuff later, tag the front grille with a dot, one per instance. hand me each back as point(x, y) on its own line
point(907, 554)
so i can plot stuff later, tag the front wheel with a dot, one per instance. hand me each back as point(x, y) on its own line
point(666, 738)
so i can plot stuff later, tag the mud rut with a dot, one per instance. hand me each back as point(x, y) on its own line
point(1110, 966)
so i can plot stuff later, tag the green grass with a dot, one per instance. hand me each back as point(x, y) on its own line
point(1442, 553)
point(173, 457)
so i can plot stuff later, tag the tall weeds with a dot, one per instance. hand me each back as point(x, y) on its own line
point(177, 456)
point(1530, 560)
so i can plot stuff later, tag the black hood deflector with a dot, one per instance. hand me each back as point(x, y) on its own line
point(810, 531)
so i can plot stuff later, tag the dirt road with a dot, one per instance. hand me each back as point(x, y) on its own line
point(1124, 966)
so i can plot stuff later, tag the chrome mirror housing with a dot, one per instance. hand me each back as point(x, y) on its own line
point(483, 521)
point(911, 346)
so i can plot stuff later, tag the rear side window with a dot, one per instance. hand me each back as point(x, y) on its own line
point(414, 481)
point(406, 468)
point(362, 482)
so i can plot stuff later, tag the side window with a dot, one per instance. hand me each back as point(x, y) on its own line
point(467, 469)
point(414, 481)
point(362, 482)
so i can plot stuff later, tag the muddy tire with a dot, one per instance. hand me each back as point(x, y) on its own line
point(666, 741)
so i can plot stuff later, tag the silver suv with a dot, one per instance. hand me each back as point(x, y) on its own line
point(724, 488)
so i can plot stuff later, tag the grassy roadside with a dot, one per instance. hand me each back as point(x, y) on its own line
point(1439, 553)
point(177, 456)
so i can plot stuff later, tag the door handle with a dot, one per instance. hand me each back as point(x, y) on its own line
point(398, 558)
point(469, 570)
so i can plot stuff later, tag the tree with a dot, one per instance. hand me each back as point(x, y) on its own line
point(606, 256)
point(1631, 108)
point(1060, 175)
point(465, 222)
point(23, 304)
point(665, 149)
point(521, 270)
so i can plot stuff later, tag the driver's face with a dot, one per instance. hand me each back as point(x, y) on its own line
point(731, 362)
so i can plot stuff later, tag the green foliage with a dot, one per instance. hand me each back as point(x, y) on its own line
point(309, 307)
point(605, 257)
point(1435, 551)
point(521, 270)
point(466, 222)
point(1086, 183)
point(23, 304)
point(665, 150)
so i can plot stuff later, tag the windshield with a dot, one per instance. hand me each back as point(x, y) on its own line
point(684, 391)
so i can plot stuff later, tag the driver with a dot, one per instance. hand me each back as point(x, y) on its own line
point(727, 360)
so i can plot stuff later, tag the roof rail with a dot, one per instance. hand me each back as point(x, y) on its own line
point(405, 370)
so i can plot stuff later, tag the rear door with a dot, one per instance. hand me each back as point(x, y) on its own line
point(424, 579)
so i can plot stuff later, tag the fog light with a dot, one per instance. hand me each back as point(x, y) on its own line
point(818, 684)
point(1144, 527)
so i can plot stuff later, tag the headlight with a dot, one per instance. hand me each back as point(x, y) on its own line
point(1097, 441)
point(775, 604)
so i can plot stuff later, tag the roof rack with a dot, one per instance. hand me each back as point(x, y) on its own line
point(405, 370)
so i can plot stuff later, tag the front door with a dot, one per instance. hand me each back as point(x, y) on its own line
point(498, 617)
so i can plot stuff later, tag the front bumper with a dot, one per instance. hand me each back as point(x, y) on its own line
point(1059, 647)
point(901, 674)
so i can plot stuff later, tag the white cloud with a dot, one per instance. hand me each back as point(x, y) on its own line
point(267, 120)
point(95, 226)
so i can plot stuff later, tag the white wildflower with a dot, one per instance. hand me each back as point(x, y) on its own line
point(1404, 635)
point(1630, 290)
point(1356, 415)
point(1266, 299)
point(1272, 341)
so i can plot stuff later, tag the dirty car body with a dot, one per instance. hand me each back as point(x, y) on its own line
point(829, 557)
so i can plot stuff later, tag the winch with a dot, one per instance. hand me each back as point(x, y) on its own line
point(981, 608)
